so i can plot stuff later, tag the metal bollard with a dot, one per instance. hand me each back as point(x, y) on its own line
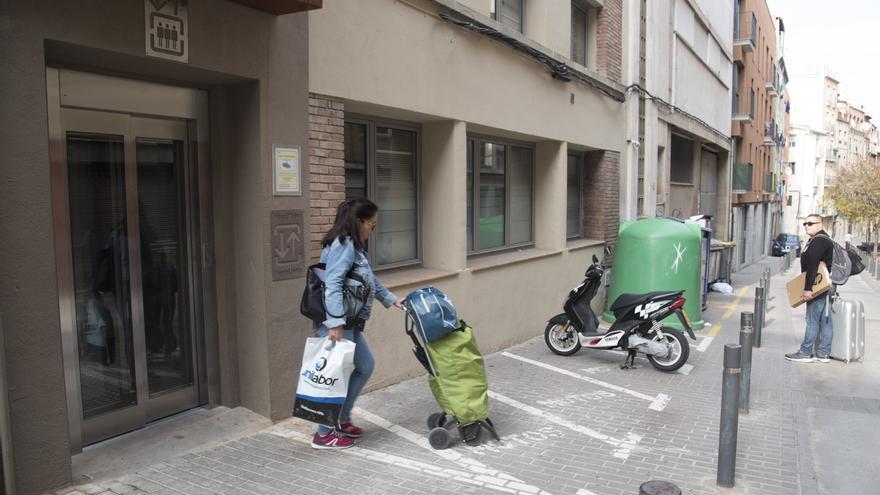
point(758, 319)
point(729, 417)
point(767, 284)
point(746, 334)
point(657, 487)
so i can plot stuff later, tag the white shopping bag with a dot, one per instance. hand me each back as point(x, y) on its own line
point(323, 380)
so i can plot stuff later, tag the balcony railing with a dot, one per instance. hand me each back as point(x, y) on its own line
point(745, 31)
point(744, 104)
point(830, 155)
point(742, 177)
point(773, 134)
point(772, 86)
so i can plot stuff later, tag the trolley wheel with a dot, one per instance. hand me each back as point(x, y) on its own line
point(436, 419)
point(477, 438)
point(439, 438)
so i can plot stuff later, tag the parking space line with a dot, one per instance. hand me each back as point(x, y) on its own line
point(506, 485)
point(710, 335)
point(685, 369)
point(493, 478)
point(623, 448)
point(657, 403)
point(704, 344)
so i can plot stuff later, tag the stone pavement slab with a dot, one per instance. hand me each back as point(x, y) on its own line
point(577, 425)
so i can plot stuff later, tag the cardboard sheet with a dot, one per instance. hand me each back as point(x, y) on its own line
point(796, 286)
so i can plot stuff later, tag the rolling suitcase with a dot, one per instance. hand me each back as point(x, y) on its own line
point(848, 318)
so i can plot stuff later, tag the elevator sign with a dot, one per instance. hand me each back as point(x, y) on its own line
point(288, 247)
point(166, 29)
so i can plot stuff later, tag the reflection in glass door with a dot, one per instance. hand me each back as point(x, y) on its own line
point(96, 178)
point(128, 207)
point(162, 247)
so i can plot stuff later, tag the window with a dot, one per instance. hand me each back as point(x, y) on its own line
point(500, 196)
point(578, 34)
point(381, 163)
point(735, 91)
point(573, 188)
point(681, 167)
point(508, 12)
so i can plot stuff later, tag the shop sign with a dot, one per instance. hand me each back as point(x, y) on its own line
point(166, 29)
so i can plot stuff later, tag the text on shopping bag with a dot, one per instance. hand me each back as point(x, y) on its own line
point(323, 380)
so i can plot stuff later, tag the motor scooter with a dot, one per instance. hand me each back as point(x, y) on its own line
point(637, 327)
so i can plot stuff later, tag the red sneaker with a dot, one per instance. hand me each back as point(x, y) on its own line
point(332, 440)
point(350, 430)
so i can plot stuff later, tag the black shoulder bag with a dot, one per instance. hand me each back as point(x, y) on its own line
point(355, 293)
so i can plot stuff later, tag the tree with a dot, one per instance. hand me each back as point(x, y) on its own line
point(856, 196)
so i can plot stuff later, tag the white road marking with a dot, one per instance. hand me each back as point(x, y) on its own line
point(704, 344)
point(623, 448)
point(584, 492)
point(515, 441)
point(507, 485)
point(657, 403)
point(492, 477)
point(685, 370)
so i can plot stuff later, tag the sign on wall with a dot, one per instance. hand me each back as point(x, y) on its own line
point(286, 178)
point(166, 29)
point(288, 248)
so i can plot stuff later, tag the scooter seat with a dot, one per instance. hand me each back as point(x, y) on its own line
point(630, 300)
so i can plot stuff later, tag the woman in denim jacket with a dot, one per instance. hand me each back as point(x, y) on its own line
point(345, 248)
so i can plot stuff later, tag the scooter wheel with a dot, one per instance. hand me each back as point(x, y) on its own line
point(678, 352)
point(560, 340)
point(439, 438)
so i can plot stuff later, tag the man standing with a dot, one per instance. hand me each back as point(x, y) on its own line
point(819, 247)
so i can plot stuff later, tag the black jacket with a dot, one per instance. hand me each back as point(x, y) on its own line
point(819, 248)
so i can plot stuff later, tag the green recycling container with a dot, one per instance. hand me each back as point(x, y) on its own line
point(657, 254)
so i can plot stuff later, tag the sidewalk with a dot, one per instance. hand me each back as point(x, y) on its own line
point(580, 425)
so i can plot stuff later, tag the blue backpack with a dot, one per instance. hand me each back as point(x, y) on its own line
point(433, 312)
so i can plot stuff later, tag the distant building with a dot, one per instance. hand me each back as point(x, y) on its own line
point(757, 129)
point(827, 136)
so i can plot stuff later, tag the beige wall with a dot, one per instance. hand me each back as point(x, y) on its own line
point(505, 305)
point(425, 65)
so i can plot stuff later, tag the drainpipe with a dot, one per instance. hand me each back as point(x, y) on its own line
point(5, 429)
point(629, 173)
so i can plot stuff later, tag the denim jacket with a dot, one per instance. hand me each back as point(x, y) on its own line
point(340, 258)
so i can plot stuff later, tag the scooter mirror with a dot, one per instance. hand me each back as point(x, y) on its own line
point(595, 259)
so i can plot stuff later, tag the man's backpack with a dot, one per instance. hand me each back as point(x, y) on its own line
point(858, 266)
point(842, 264)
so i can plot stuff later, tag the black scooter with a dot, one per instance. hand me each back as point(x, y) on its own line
point(637, 326)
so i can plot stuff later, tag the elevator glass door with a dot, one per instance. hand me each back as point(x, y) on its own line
point(129, 189)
